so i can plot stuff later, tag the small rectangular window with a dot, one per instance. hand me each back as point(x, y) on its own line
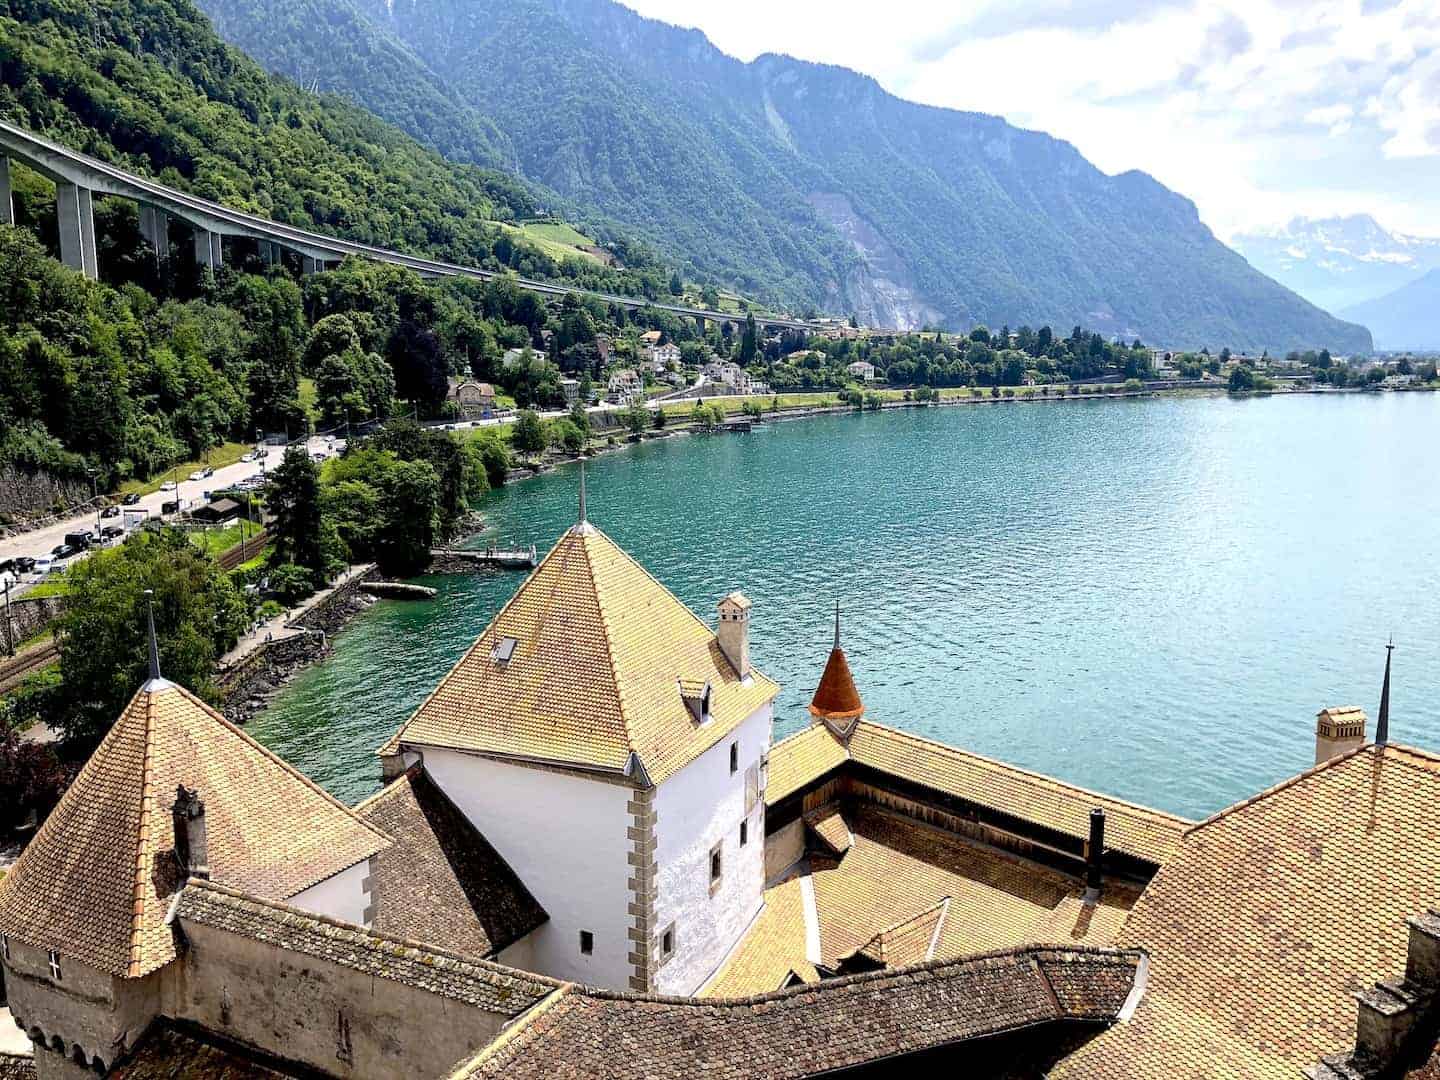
point(587, 942)
point(744, 833)
point(55, 965)
point(667, 942)
point(734, 758)
point(715, 865)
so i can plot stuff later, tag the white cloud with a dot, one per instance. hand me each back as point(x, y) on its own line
point(1259, 110)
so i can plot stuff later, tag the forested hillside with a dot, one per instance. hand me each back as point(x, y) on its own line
point(151, 87)
point(808, 184)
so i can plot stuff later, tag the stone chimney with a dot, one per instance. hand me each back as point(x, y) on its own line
point(1390, 1011)
point(1338, 730)
point(733, 632)
point(192, 850)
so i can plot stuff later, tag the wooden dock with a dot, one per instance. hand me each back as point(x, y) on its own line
point(505, 558)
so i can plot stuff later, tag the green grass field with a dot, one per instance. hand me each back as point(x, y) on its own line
point(557, 241)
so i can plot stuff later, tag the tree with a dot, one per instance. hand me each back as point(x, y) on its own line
point(409, 517)
point(103, 653)
point(529, 433)
point(749, 342)
point(495, 457)
point(1242, 378)
point(297, 531)
point(421, 373)
point(636, 418)
point(677, 287)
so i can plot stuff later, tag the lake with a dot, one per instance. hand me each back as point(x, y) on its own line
point(1149, 597)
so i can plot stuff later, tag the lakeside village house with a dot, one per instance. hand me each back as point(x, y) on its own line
point(588, 860)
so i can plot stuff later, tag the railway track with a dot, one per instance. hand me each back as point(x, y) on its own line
point(14, 669)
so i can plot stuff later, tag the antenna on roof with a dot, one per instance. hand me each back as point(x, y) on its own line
point(1382, 725)
point(837, 624)
point(582, 491)
point(150, 624)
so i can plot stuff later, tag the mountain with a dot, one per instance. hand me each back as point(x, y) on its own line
point(1408, 318)
point(1339, 262)
point(802, 183)
point(148, 85)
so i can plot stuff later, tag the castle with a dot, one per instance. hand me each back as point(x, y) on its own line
point(589, 860)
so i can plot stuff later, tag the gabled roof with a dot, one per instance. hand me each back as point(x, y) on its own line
point(807, 1030)
point(593, 678)
point(440, 880)
point(96, 881)
point(910, 941)
point(1270, 917)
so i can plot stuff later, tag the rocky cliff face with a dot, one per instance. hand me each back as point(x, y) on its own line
point(879, 289)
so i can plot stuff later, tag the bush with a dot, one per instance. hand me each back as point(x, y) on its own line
point(291, 583)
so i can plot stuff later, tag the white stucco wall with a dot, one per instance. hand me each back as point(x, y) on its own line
point(700, 806)
point(343, 896)
point(565, 836)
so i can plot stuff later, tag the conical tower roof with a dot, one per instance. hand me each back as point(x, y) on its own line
point(584, 668)
point(96, 882)
point(836, 700)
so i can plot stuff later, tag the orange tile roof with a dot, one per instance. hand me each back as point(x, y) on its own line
point(836, 697)
point(910, 941)
point(894, 876)
point(1134, 830)
point(595, 676)
point(800, 759)
point(1271, 915)
point(806, 756)
point(96, 881)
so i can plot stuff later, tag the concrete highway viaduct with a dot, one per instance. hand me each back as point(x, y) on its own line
point(78, 179)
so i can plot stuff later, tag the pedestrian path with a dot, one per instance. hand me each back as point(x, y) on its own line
point(283, 626)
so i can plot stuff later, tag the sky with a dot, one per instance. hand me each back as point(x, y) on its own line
point(1258, 110)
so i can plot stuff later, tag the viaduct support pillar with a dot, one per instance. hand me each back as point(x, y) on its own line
point(208, 255)
point(7, 205)
point(155, 228)
point(311, 266)
point(269, 252)
point(75, 213)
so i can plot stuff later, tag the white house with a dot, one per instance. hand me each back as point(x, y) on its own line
point(626, 386)
point(663, 357)
point(611, 746)
point(862, 369)
point(512, 356)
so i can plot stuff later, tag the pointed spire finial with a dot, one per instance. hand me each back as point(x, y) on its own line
point(582, 491)
point(150, 623)
point(1382, 725)
point(837, 624)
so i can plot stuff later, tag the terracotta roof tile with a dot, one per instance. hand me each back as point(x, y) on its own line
point(1271, 915)
point(593, 678)
point(440, 880)
point(95, 883)
point(832, 1025)
point(1129, 828)
point(800, 760)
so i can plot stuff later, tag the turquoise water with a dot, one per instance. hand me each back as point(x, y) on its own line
point(1148, 597)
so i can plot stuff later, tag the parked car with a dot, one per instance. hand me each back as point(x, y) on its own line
point(110, 532)
point(23, 564)
point(62, 551)
point(110, 511)
point(169, 485)
point(79, 540)
point(249, 455)
point(206, 473)
point(198, 474)
point(171, 507)
point(43, 565)
point(130, 499)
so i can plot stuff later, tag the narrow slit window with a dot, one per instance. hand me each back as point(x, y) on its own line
point(716, 866)
point(667, 942)
point(734, 758)
point(744, 833)
point(587, 942)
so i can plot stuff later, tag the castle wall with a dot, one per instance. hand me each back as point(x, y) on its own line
point(304, 1009)
point(85, 1008)
point(784, 847)
point(697, 809)
point(565, 836)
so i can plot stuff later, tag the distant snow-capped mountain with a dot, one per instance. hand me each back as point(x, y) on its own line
point(1339, 262)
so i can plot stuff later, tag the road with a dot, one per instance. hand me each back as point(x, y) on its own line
point(43, 541)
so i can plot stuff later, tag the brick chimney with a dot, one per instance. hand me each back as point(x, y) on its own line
point(1338, 730)
point(192, 850)
point(733, 632)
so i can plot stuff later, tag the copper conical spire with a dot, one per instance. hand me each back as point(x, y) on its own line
point(836, 700)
